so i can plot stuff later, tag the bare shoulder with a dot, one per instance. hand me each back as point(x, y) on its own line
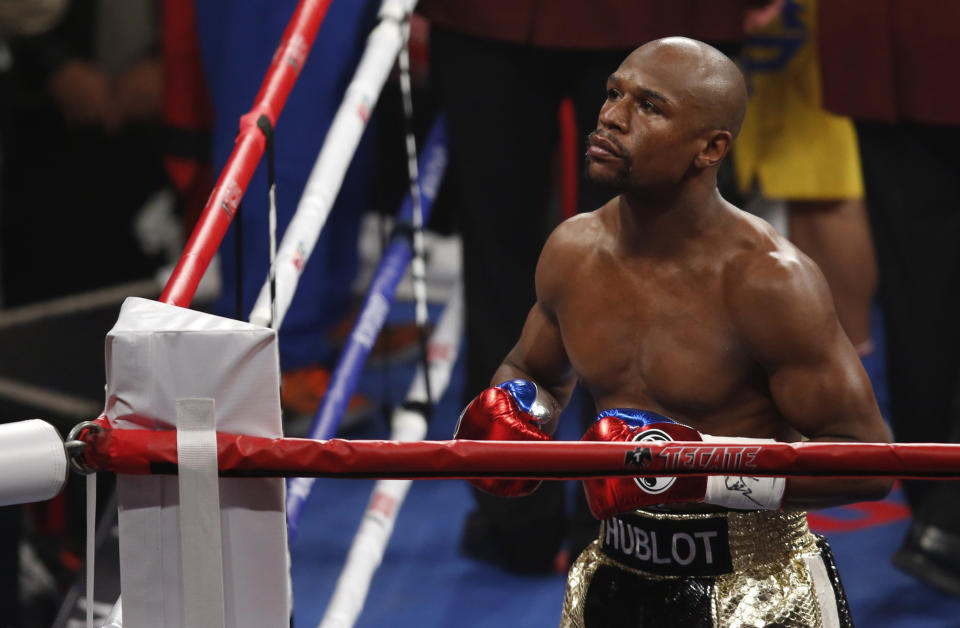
point(777, 296)
point(575, 234)
point(767, 267)
point(566, 250)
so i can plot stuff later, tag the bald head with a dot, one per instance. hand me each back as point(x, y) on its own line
point(672, 110)
point(699, 73)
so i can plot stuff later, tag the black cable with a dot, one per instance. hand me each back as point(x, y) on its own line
point(263, 123)
point(238, 252)
point(418, 266)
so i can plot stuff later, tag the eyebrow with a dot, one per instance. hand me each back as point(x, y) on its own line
point(646, 91)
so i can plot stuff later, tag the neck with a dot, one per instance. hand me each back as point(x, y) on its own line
point(662, 220)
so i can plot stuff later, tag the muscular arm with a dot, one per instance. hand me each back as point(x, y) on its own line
point(539, 354)
point(783, 307)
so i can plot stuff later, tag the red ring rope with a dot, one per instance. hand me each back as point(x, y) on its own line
point(155, 452)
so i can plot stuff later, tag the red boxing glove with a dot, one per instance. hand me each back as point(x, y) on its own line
point(610, 496)
point(503, 413)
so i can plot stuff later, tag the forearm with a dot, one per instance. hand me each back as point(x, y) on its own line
point(858, 421)
point(831, 402)
point(816, 493)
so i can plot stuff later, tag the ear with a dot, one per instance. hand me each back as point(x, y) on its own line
point(717, 146)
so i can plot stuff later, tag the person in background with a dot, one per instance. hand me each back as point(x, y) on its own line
point(23, 18)
point(79, 115)
point(794, 150)
point(81, 146)
point(884, 64)
point(237, 42)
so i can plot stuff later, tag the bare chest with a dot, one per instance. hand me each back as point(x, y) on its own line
point(661, 341)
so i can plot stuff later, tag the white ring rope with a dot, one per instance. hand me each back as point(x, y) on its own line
point(375, 528)
point(383, 45)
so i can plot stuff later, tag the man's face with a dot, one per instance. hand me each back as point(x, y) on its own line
point(648, 128)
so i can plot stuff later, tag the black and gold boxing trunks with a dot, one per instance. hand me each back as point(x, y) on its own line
point(729, 570)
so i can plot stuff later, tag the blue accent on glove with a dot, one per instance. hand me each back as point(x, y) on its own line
point(523, 391)
point(634, 417)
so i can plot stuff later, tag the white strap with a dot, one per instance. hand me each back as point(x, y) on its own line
point(743, 492)
point(201, 554)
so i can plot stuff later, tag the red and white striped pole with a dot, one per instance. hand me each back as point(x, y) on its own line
point(287, 62)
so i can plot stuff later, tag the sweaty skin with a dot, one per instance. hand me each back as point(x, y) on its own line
point(668, 298)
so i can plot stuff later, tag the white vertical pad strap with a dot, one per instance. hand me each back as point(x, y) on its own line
point(201, 567)
point(158, 353)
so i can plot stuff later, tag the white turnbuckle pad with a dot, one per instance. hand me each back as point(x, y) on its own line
point(158, 354)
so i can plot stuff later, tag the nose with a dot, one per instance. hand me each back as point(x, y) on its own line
point(613, 115)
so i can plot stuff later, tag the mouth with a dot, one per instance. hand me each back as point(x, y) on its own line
point(602, 148)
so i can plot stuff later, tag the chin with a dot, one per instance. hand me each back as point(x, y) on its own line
point(605, 176)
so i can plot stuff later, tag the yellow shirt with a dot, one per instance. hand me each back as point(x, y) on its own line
point(794, 148)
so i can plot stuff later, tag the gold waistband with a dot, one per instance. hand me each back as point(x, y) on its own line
point(756, 537)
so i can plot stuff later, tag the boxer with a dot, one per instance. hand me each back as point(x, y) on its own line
point(686, 319)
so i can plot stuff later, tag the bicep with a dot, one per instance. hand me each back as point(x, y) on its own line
point(815, 377)
point(825, 394)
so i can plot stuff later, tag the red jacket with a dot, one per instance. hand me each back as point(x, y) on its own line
point(596, 24)
point(891, 60)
